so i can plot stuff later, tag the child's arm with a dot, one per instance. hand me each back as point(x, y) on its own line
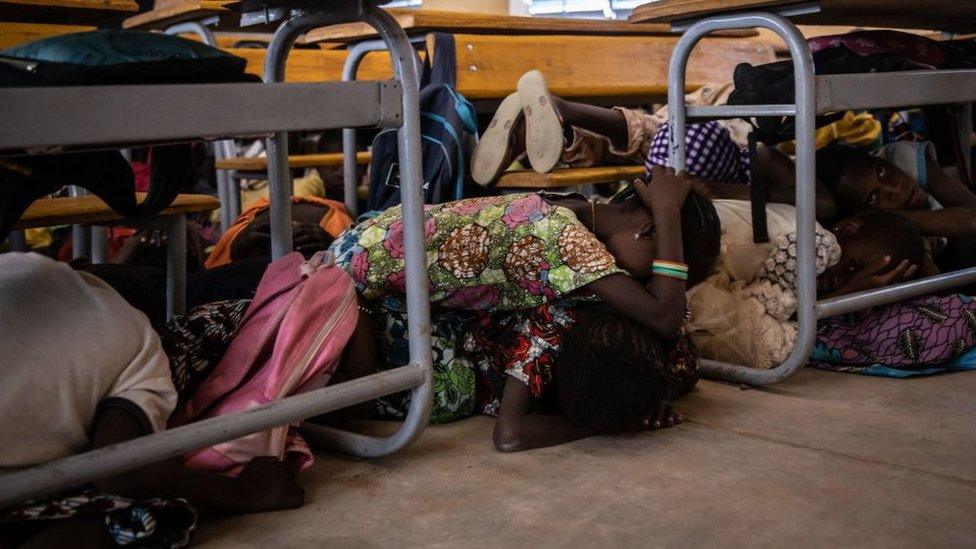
point(518, 429)
point(660, 305)
point(952, 222)
point(265, 483)
point(779, 172)
point(947, 190)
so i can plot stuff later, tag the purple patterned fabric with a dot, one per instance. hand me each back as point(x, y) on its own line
point(710, 153)
point(914, 334)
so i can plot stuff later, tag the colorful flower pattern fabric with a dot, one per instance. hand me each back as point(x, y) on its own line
point(475, 353)
point(499, 253)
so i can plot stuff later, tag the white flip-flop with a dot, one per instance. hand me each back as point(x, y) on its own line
point(544, 141)
point(494, 150)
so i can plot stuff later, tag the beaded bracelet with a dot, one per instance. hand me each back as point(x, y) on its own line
point(671, 269)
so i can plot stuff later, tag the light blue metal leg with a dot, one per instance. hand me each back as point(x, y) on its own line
point(80, 234)
point(175, 265)
point(805, 88)
point(18, 241)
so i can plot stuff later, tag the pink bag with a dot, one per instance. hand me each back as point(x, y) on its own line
point(290, 341)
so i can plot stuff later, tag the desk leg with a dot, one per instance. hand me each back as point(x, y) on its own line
point(99, 244)
point(18, 241)
point(175, 265)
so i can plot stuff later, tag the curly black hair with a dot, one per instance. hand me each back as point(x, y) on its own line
point(610, 371)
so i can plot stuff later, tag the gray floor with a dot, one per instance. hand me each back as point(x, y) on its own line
point(825, 459)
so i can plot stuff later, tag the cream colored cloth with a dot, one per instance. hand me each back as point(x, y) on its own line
point(741, 314)
point(69, 347)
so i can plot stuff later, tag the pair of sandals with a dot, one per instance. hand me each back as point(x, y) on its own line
point(526, 123)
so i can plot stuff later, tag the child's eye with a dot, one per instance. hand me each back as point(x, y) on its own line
point(852, 266)
point(872, 199)
point(882, 171)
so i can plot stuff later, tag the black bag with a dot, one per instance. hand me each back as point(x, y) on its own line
point(773, 84)
point(448, 128)
point(106, 57)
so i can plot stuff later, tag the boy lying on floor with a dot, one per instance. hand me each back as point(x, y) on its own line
point(82, 369)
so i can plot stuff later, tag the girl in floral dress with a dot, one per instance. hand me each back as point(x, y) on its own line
point(532, 255)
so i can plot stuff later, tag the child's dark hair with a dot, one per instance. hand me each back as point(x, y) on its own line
point(701, 233)
point(894, 235)
point(610, 371)
point(831, 163)
point(701, 236)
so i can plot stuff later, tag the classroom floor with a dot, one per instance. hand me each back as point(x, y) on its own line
point(825, 459)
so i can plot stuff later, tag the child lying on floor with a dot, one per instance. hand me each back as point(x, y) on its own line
point(520, 251)
point(82, 369)
point(905, 178)
point(315, 224)
point(750, 321)
point(562, 371)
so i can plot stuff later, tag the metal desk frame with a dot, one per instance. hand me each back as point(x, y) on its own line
point(814, 95)
point(187, 111)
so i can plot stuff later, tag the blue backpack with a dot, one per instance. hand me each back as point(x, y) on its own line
point(448, 128)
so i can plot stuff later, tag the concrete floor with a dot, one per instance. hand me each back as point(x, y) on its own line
point(825, 459)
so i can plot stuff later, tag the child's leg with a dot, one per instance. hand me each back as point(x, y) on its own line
point(606, 122)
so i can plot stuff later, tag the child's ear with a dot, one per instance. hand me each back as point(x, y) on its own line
point(849, 226)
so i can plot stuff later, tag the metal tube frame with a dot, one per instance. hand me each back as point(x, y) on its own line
point(230, 201)
point(416, 377)
point(350, 168)
point(804, 109)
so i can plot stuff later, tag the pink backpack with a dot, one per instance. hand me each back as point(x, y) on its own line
point(290, 341)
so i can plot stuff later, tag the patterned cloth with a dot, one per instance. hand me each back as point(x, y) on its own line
point(920, 336)
point(476, 352)
point(710, 153)
point(196, 341)
point(499, 253)
point(148, 523)
point(453, 373)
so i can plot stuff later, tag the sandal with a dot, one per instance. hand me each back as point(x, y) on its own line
point(544, 136)
point(501, 143)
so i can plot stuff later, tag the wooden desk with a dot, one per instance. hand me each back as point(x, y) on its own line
point(628, 67)
point(594, 66)
point(190, 10)
point(90, 210)
point(66, 12)
point(924, 14)
point(260, 163)
point(568, 177)
point(318, 65)
point(167, 14)
point(417, 22)
point(12, 34)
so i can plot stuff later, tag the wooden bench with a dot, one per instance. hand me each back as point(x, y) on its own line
point(630, 67)
point(568, 177)
point(418, 22)
point(913, 14)
point(12, 34)
point(91, 210)
point(260, 163)
point(66, 12)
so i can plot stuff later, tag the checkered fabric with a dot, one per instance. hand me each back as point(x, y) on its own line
point(710, 153)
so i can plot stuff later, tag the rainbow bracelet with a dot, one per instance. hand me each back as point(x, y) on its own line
point(671, 269)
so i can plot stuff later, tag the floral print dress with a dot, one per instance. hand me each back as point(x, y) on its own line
point(499, 253)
